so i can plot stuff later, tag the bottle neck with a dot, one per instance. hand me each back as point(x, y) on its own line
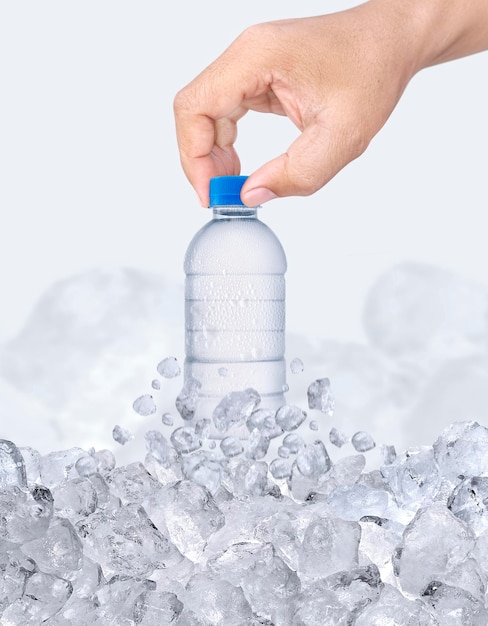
point(234, 212)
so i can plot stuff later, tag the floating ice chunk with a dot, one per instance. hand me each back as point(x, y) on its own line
point(231, 446)
point(155, 384)
point(329, 545)
point(185, 440)
point(362, 441)
point(462, 450)
point(167, 419)
point(296, 366)
point(144, 405)
point(313, 460)
point(337, 438)
point(223, 371)
point(235, 408)
point(283, 452)
point(388, 453)
point(289, 417)
point(12, 467)
point(434, 543)
point(293, 442)
point(280, 468)
point(469, 502)
point(257, 445)
point(265, 421)
point(159, 447)
point(187, 399)
point(453, 606)
point(121, 435)
point(413, 477)
point(25, 513)
point(314, 425)
point(169, 368)
point(320, 396)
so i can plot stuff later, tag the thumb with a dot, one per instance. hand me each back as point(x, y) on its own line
point(315, 157)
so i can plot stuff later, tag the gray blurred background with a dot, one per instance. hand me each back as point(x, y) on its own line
point(387, 280)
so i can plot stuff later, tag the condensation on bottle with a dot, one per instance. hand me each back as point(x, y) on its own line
point(234, 304)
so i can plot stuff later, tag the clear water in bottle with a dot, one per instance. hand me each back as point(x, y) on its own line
point(234, 303)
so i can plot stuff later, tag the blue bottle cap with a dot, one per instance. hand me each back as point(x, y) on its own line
point(226, 190)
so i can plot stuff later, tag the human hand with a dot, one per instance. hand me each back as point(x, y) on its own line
point(337, 77)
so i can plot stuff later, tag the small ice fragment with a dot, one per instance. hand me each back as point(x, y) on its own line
point(362, 441)
point(313, 460)
point(202, 428)
point(105, 461)
point(231, 446)
point(86, 466)
point(144, 405)
point(235, 408)
point(223, 371)
point(186, 401)
point(389, 454)
point(283, 452)
point(212, 444)
point(320, 397)
point(280, 468)
point(167, 419)
point(121, 435)
point(296, 366)
point(155, 384)
point(285, 388)
point(337, 438)
point(185, 440)
point(314, 425)
point(257, 445)
point(169, 368)
point(289, 417)
point(293, 442)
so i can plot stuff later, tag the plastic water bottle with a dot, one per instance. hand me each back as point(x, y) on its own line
point(234, 304)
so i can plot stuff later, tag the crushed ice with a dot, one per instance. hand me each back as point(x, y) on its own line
point(267, 530)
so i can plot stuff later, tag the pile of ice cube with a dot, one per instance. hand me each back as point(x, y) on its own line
point(264, 531)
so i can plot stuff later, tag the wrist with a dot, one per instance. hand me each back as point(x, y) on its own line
point(439, 30)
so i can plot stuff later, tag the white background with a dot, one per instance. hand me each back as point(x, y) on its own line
point(90, 176)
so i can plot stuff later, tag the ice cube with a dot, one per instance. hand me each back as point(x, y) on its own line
point(394, 608)
point(185, 440)
point(144, 405)
point(235, 408)
point(187, 399)
point(453, 606)
point(434, 543)
point(362, 441)
point(231, 446)
point(121, 435)
point(329, 545)
point(155, 608)
point(289, 417)
point(469, 502)
point(320, 396)
point(337, 438)
point(296, 366)
point(169, 368)
point(25, 513)
point(257, 445)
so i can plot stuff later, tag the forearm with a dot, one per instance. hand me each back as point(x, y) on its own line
point(442, 30)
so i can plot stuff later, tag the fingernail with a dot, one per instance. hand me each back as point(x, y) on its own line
point(260, 195)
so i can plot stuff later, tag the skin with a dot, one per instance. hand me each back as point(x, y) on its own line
point(337, 77)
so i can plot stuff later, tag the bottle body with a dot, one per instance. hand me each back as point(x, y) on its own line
point(235, 309)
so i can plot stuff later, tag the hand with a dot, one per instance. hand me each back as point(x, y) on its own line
point(337, 77)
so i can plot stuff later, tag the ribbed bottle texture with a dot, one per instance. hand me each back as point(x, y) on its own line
point(235, 307)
